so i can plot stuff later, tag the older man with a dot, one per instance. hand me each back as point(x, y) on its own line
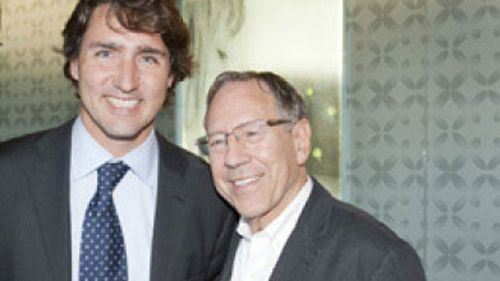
point(291, 228)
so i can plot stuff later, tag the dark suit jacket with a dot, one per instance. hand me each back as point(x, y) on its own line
point(192, 224)
point(334, 241)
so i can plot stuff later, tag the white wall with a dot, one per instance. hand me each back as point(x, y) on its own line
point(295, 38)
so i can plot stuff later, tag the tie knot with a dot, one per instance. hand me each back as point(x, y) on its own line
point(110, 174)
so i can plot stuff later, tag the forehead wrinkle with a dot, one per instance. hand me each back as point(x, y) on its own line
point(117, 44)
point(236, 127)
point(229, 94)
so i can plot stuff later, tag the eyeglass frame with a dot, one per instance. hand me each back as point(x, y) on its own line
point(204, 147)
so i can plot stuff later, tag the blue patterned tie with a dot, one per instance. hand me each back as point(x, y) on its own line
point(102, 252)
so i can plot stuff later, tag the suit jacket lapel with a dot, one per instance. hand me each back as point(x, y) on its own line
point(171, 210)
point(228, 264)
point(304, 243)
point(294, 261)
point(49, 185)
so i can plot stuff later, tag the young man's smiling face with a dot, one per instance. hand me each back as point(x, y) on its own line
point(123, 77)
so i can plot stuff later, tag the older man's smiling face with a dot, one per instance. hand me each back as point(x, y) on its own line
point(259, 181)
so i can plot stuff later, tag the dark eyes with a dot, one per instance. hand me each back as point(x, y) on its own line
point(146, 58)
point(216, 142)
point(103, 54)
point(150, 59)
point(251, 134)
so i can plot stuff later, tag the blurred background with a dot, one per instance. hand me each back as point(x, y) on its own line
point(404, 98)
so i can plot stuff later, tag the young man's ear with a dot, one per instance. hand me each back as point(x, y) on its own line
point(73, 70)
point(171, 79)
point(302, 137)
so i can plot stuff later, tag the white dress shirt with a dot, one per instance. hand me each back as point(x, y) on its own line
point(134, 197)
point(258, 253)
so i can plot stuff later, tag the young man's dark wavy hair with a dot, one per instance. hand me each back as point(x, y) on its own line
point(151, 16)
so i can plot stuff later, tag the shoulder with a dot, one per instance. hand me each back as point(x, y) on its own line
point(190, 170)
point(19, 145)
point(357, 229)
point(181, 160)
point(17, 149)
point(377, 249)
point(348, 231)
point(189, 175)
point(30, 144)
point(20, 155)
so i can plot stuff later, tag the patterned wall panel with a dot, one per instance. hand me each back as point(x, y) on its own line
point(34, 94)
point(423, 113)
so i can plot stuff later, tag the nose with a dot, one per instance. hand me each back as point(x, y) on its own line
point(127, 76)
point(236, 153)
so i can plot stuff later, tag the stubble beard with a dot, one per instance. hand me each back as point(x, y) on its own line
point(116, 136)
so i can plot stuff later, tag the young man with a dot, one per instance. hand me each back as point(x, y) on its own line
point(104, 197)
point(291, 228)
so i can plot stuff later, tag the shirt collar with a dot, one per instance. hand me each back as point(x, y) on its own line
point(87, 155)
point(282, 226)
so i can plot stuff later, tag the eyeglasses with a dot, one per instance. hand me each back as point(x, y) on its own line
point(247, 134)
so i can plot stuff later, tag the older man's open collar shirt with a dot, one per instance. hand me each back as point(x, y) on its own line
point(258, 253)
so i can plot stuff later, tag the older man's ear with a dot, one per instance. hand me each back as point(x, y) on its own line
point(302, 138)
